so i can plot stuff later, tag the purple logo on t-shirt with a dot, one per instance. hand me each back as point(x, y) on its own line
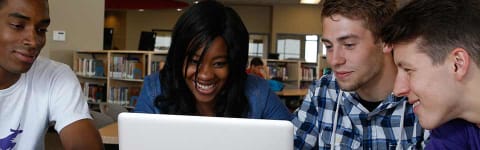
point(7, 142)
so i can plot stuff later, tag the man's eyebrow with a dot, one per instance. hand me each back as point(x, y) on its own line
point(23, 17)
point(18, 15)
point(324, 40)
point(342, 38)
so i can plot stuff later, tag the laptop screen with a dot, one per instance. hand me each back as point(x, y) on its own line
point(177, 132)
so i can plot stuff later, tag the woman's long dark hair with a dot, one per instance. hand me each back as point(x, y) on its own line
point(195, 29)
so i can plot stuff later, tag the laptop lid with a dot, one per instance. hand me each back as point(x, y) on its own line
point(176, 132)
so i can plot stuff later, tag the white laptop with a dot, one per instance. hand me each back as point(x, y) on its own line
point(138, 131)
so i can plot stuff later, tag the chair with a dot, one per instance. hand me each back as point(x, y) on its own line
point(100, 120)
point(113, 110)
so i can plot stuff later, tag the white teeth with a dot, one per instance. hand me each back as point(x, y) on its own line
point(205, 87)
point(416, 103)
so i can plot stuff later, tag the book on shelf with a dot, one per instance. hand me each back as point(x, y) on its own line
point(133, 101)
point(94, 92)
point(157, 66)
point(308, 73)
point(278, 72)
point(137, 71)
point(90, 67)
point(123, 95)
point(126, 68)
point(99, 69)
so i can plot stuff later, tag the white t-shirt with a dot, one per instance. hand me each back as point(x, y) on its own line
point(49, 92)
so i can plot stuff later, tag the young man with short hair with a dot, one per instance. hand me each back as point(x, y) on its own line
point(354, 108)
point(257, 67)
point(437, 51)
point(36, 91)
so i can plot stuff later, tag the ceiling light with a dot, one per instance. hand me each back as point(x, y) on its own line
point(309, 1)
point(195, 2)
point(141, 10)
point(179, 9)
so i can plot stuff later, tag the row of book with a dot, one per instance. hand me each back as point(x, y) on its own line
point(90, 67)
point(309, 73)
point(157, 66)
point(124, 67)
point(278, 72)
point(124, 95)
point(121, 68)
point(95, 92)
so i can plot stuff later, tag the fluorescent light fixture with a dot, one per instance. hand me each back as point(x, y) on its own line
point(309, 1)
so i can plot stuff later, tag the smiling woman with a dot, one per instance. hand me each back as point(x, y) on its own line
point(204, 73)
point(205, 78)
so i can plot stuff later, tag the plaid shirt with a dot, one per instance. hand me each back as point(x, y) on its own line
point(356, 127)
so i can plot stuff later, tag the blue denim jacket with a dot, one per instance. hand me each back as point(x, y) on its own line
point(264, 103)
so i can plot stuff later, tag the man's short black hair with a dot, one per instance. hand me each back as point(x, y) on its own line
point(256, 61)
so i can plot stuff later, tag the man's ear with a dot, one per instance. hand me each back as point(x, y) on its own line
point(387, 48)
point(461, 62)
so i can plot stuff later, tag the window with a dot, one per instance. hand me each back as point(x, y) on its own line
point(311, 48)
point(258, 44)
point(163, 39)
point(288, 48)
point(255, 48)
point(298, 46)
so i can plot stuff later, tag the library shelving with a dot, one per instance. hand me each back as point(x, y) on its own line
point(115, 76)
point(297, 76)
point(294, 73)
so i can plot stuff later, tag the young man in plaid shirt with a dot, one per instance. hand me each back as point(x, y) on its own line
point(354, 107)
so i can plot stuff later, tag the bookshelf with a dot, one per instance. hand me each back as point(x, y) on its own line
point(115, 76)
point(296, 74)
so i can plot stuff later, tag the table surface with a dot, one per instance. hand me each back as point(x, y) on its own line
point(109, 133)
point(292, 92)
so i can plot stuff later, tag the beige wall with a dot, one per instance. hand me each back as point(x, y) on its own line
point(304, 19)
point(82, 20)
point(291, 19)
point(146, 21)
point(257, 19)
point(295, 19)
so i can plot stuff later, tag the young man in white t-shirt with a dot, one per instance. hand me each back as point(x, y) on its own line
point(37, 91)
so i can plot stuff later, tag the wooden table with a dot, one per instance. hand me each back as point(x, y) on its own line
point(292, 92)
point(109, 133)
point(292, 97)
